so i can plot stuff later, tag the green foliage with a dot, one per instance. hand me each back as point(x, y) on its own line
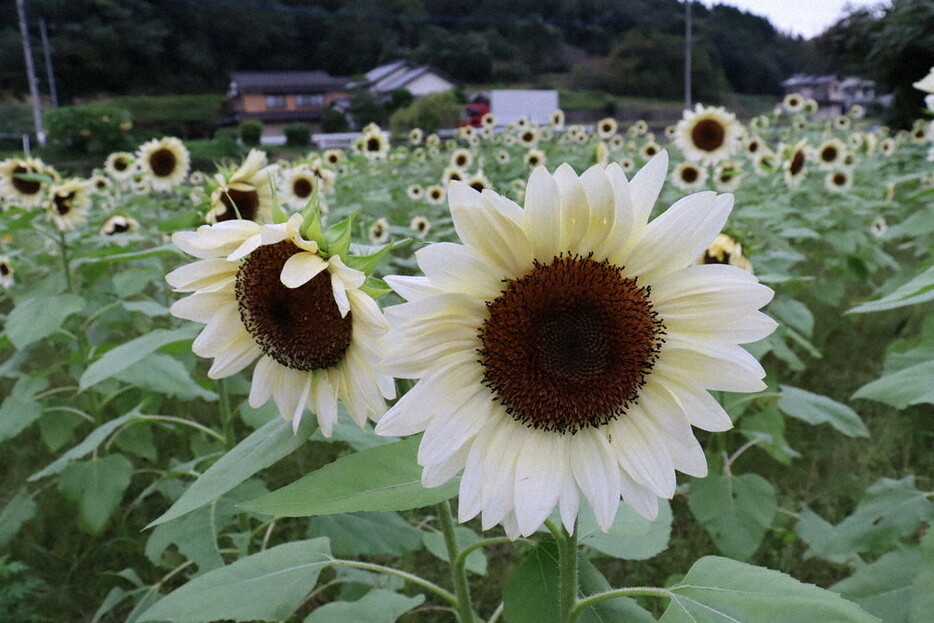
point(92, 129)
point(735, 510)
point(431, 112)
point(250, 131)
point(366, 107)
point(385, 478)
point(723, 589)
point(19, 593)
point(185, 116)
point(297, 134)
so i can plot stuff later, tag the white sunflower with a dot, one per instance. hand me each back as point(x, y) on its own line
point(689, 176)
point(565, 349)
point(164, 162)
point(708, 134)
point(17, 189)
point(68, 204)
point(298, 186)
point(265, 292)
point(7, 280)
point(120, 165)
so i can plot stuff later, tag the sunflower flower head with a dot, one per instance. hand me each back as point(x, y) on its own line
point(245, 192)
point(564, 349)
point(290, 297)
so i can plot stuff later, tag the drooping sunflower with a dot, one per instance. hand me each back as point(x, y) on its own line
point(164, 162)
point(68, 204)
point(564, 350)
point(794, 163)
point(267, 293)
point(245, 193)
point(119, 224)
point(708, 134)
point(725, 249)
point(557, 119)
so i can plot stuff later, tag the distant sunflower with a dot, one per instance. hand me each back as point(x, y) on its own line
point(795, 163)
point(606, 128)
point(725, 249)
point(164, 162)
point(298, 187)
point(838, 181)
point(708, 134)
point(435, 194)
point(7, 279)
point(830, 154)
point(557, 119)
point(727, 176)
point(379, 231)
point(793, 102)
point(415, 136)
point(119, 165)
point(246, 193)
point(527, 136)
point(535, 158)
point(689, 176)
point(420, 225)
point(374, 143)
point(19, 191)
point(461, 159)
point(415, 192)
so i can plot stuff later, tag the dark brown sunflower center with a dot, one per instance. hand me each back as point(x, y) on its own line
point(302, 187)
point(708, 134)
point(4, 269)
point(839, 179)
point(63, 203)
point(569, 345)
point(797, 162)
point(25, 187)
point(689, 174)
point(121, 164)
point(373, 144)
point(460, 160)
point(301, 328)
point(163, 162)
point(119, 227)
point(244, 202)
point(719, 256)
point(828, 154)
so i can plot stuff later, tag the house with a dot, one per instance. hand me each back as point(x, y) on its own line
point(834, 95)
point(419, 80)
point(280, 97)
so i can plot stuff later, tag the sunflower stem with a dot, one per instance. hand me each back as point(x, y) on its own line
point(458, 571)
point(66, 261)
point(226, 414)
point(567, 575)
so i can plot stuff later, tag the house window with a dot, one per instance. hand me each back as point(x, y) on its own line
point(275, 101)
point(309, 101)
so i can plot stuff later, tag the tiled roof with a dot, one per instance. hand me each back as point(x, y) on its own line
point(286, 82)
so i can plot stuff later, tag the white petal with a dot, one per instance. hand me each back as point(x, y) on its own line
point(446, 435)
point(249, 245)
point(575, 211)
point(411, 288)
point(725, 367)
point(201, 306)
point(325, 402)
point(638, 497)
point(645, 460)
point(645, 187)
point(540, 474)
point(456, 268)
point(238, 355)
point(602, 203)
point(483, 227)
point(204, 274)
point(594, 466)
point(264, 376)
point(300, 269)
point(541, 216)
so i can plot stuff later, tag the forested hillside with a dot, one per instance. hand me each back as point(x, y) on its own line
point(633, 47)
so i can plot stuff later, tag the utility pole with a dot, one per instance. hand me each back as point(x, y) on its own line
point(30, 72)
point(687, 54)
point(47, 53)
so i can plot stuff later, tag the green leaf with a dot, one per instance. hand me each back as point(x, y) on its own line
point(377, 606)
point(384, 478)
point(768, 427)
point(19, 410)
point(922, 597)
point(735, 510)
point(612, 610)
point(720, 590)
point(884, 588)
point(164, 374)
point(274, 441)
point(631, 536)
point(267, 586)
point(476, 560)
point(890, 511)
point(97, 487)
point(531, 593)
point(134, 280)
point(20, 509)
point(128, 353)
point(367, 534)
point(40, 316)
point(368, 263)
point(918, 290)
point(817, 409)
point(337, 237)
point(90, 443)
point(909, 386)
point(788, 311)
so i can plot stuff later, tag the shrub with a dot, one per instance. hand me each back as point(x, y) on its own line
point(297, 134)
point(434, 111)
point(250, 131)
point(334, 120)
point(92, 129)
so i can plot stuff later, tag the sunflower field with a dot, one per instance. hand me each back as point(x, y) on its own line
point(522, 373)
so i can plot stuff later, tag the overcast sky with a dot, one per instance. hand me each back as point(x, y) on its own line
point(799, 17)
